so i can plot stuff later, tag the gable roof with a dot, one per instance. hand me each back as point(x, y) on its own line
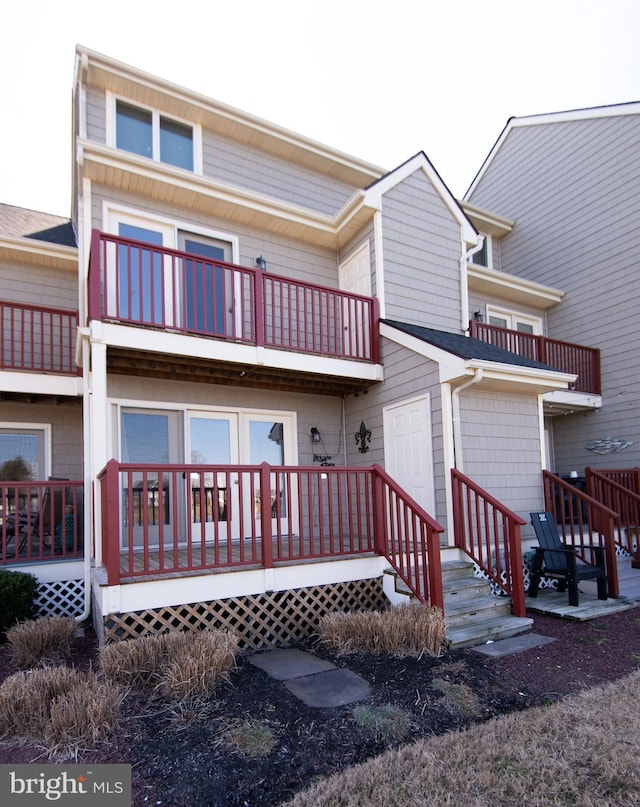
point(466, 347)
point(23, 223)
point(590, 113)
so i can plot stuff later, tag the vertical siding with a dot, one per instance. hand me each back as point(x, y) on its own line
point(573, 189)
point(422, 249)
point(501, 447)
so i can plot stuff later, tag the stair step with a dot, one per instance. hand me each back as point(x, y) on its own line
point(489, 630)
point(456, 569)
point(477, 609)
point(469, 587)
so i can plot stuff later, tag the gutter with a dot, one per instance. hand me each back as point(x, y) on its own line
point(455, 411)
point(88, 499)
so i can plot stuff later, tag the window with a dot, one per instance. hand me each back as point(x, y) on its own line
point(514, 321)
point(23, 453)
point(152, 135)
point(483, 256)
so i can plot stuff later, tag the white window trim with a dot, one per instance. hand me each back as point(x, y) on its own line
point(196, 128)
point(489, 242)
point(43, 427)
point(109, 209)
point(513, 317)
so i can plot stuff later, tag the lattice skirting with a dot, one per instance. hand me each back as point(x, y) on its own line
point(61, 598)
point(261, 620)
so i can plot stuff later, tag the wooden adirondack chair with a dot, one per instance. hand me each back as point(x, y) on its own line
point(557, 560)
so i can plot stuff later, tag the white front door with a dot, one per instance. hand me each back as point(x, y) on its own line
point(408, 449)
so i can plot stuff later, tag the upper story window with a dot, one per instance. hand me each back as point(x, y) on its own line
point(514, 321)
point(150, 134)
point(483, 256)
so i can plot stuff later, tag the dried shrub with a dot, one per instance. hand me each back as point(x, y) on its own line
point(386, 723)
point(413, 629)
point(42, 641)
point(60, 706)
point(177, 665)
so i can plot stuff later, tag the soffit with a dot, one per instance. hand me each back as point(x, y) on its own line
point(233, 123)
point(32, 251)
point(491, 282)
point(165, 184)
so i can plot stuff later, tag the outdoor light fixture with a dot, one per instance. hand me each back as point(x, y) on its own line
point(315, 435)
point(477, 315)
point(261, 263)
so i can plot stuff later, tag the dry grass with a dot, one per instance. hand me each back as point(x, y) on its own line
point(177, 665)
point(42, 641)
point(59, 707)
point(251, 737)
point(386, 723)
point(404, 630)
point(457, 698)
point(580, 751)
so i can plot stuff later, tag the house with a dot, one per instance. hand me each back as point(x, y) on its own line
point(286, 378)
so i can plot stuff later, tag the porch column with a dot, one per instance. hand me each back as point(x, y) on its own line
point(97, 411)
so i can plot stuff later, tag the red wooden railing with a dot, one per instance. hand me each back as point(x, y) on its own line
point(489, 533)
point(37, 338)
point(617, 489)
point(584, 523)
point(142, 284)
point(584, 362)
point(165, 519)
point(40, 521)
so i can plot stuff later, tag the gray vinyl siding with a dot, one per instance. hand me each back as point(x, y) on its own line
point(573, 189)
point(66, 432)
point(407, 375)
point(284, 256)
point(501, 450)
point(422, 248)
point(38, 285)
point(244, 166)
point(96, 114)
point(321, 411)
point(250, 168)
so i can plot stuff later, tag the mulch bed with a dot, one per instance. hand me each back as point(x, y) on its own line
point(184, 760)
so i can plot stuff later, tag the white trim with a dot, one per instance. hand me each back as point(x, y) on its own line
point(500, 283)
point(512, 318)
point(379, 259)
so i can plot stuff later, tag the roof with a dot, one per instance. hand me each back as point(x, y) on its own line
point(23, 223)
point(466, 347)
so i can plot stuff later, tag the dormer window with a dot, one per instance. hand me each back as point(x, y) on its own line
point(150, 134)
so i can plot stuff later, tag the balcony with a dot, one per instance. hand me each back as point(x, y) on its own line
point(584, 362)
point(153, 287)
point(37, 339)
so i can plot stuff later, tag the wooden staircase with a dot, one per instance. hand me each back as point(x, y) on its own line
point(473, 615)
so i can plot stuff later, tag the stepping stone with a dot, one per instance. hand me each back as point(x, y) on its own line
point(336, 687)
point(516, 644)
point(286, 664)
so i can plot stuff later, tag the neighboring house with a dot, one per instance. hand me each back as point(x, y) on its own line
point(277, 373)
point(570, 183)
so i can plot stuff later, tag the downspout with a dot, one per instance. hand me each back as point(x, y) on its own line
point(455, 412)
point(344, 431)
point(464, 284)
point(87, 497)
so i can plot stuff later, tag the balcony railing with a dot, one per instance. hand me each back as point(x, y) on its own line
point(152, 286)
point(40, 521)
point(584, 362)
point(160, 520)
point(37, 338)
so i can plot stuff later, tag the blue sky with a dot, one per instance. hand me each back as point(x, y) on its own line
point(380, 80)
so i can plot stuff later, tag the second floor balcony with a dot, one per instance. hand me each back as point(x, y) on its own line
point(149, 286)
point(584, 362)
